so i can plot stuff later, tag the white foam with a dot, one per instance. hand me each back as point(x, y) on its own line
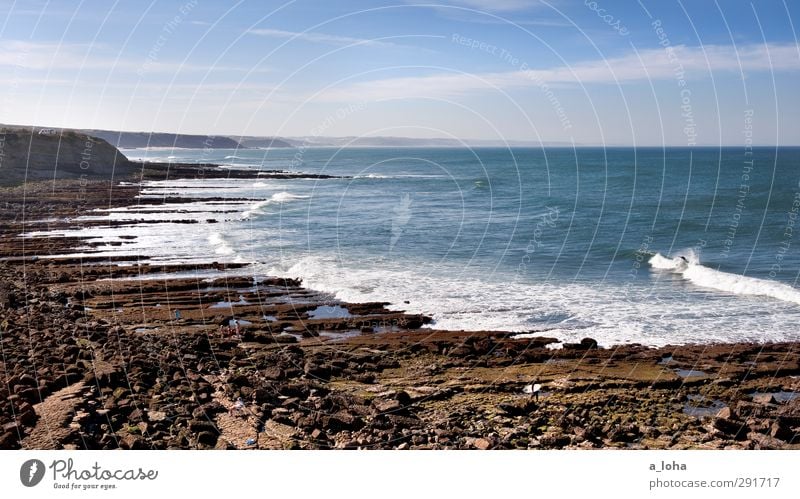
point(277, 198)
point(282, 197)
point(409, 175)
point(707, 277)
point(661, 262)
point(740, 285)
point(648, 312)
point(219, 244)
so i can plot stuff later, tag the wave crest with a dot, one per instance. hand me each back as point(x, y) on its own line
point(706, 277)
point(277, 198)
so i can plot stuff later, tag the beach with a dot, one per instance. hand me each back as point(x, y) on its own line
point(104, 352)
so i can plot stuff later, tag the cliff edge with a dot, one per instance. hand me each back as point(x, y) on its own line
point(28, 155)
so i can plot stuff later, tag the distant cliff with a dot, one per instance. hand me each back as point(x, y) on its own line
point(131, 140)
point(262, 142)
point(30, 155)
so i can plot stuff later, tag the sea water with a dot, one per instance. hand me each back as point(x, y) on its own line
point(565, 242)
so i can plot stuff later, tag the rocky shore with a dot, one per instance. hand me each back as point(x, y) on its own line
point(102, 355)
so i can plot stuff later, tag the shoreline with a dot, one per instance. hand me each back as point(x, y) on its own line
point(101, 364)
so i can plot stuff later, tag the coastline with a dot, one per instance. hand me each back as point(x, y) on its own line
point(92, 359)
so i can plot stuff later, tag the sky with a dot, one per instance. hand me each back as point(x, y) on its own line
point(648, 73)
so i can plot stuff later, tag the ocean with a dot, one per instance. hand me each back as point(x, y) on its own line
point(569, 243)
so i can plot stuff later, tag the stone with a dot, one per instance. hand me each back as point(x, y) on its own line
point(207, 438)
point(26, 414)
point(132, 442)
point(198, 426)
point(384, 406)
point(517, 408)
point(764, 398)
point(765, 442)
point(730, 427)
point(11, 427)
point(273, 373)
point(8, 441)
point(781, 431)
point(341, 421)
point(585, 344)
point(482, 444)
point(403, 397)
point(156, 416)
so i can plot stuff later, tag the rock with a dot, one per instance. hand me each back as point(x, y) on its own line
point(730, 427)
point(482, 444)
point(553, 439)
point(585, 344)
point(239, 380)
point(518, 408)
point(26, 414)
point(273, 373)
point(318, 434)
point(320, 371)
point(8, 440)
point(11, 427)
point(132, 442)
point(765, 442)
point(764, 398)
point(403, 397)
point(207, 438)
point(198, 426)
point(341, 421)
point(746, 409)
point(781, 431)
point(156, 416)
point(725, 413)
point(384, 406)
point(790, 413)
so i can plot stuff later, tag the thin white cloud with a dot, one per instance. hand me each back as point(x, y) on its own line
point(53, 56)
point(319, 37)
point(657, 64)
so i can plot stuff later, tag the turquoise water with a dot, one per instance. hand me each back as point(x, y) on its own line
point(579, 242)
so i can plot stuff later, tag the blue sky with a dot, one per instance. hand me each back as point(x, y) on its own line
point(586, 72)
